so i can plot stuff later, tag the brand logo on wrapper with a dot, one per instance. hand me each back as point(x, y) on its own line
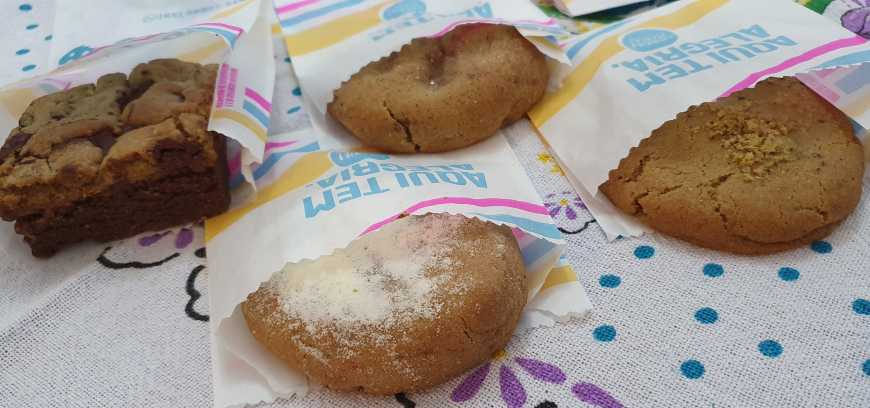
point(661, 58)
point(648, 39)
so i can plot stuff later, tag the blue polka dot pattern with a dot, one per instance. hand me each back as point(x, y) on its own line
point(604, 332)
point(789, 274)
point(297, 91)
point(22, 51)
point(866, 367)
point(287, 59)
point(28, 67)
point(644, 252)
point(32, 26)
point(861, 306)
point(692, 369)
point(48, 37)
point(293, 110)
point(822, 247)
point(609, 281)
point(25, 7)
point(713, 270)
point(706, 315)
point(770, 348)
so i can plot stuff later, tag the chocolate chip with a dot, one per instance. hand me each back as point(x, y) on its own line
point(103, 139)
point(13, 143)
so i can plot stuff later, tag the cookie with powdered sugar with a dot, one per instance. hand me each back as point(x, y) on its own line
point(402, 309)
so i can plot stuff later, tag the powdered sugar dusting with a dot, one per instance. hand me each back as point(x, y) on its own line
point(381, 280)
point(312, 351)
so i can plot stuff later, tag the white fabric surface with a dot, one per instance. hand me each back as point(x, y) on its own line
point(76, 333)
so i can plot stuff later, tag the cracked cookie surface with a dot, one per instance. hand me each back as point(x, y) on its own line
point(766, 169)
point(401, 309)
point(441, 94)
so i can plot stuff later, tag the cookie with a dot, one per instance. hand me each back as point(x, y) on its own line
point(405, 308)
point(764, 170)
point(441, 94)
point(167, 88)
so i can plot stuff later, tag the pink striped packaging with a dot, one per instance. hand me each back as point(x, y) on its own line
point(631, 76)
point(847, 88)
point(312, 203)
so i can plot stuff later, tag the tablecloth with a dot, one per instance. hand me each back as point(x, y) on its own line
point(124, 324)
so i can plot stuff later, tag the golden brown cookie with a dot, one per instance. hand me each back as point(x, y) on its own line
point(440, 94)
point(402, 309)
point(764, 170)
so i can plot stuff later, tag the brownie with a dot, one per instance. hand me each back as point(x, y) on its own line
point(114, 159)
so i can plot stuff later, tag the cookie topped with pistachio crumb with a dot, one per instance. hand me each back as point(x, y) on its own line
point(763, 170)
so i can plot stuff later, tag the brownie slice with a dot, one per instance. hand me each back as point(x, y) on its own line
point(114, 159)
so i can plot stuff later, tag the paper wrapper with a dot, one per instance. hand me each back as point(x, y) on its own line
point(81, 28)
point(329, 43)
point(581, 7)
point(339, 195)
point(846, 88)
point(236, 37)
point(634, 75)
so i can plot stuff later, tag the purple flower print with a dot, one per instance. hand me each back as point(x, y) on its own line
point(512, 391)
point(183, 238)
point(158, 243)
point(858, 19)
point(566, 200)
point(594, 395)
point(471, 384)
